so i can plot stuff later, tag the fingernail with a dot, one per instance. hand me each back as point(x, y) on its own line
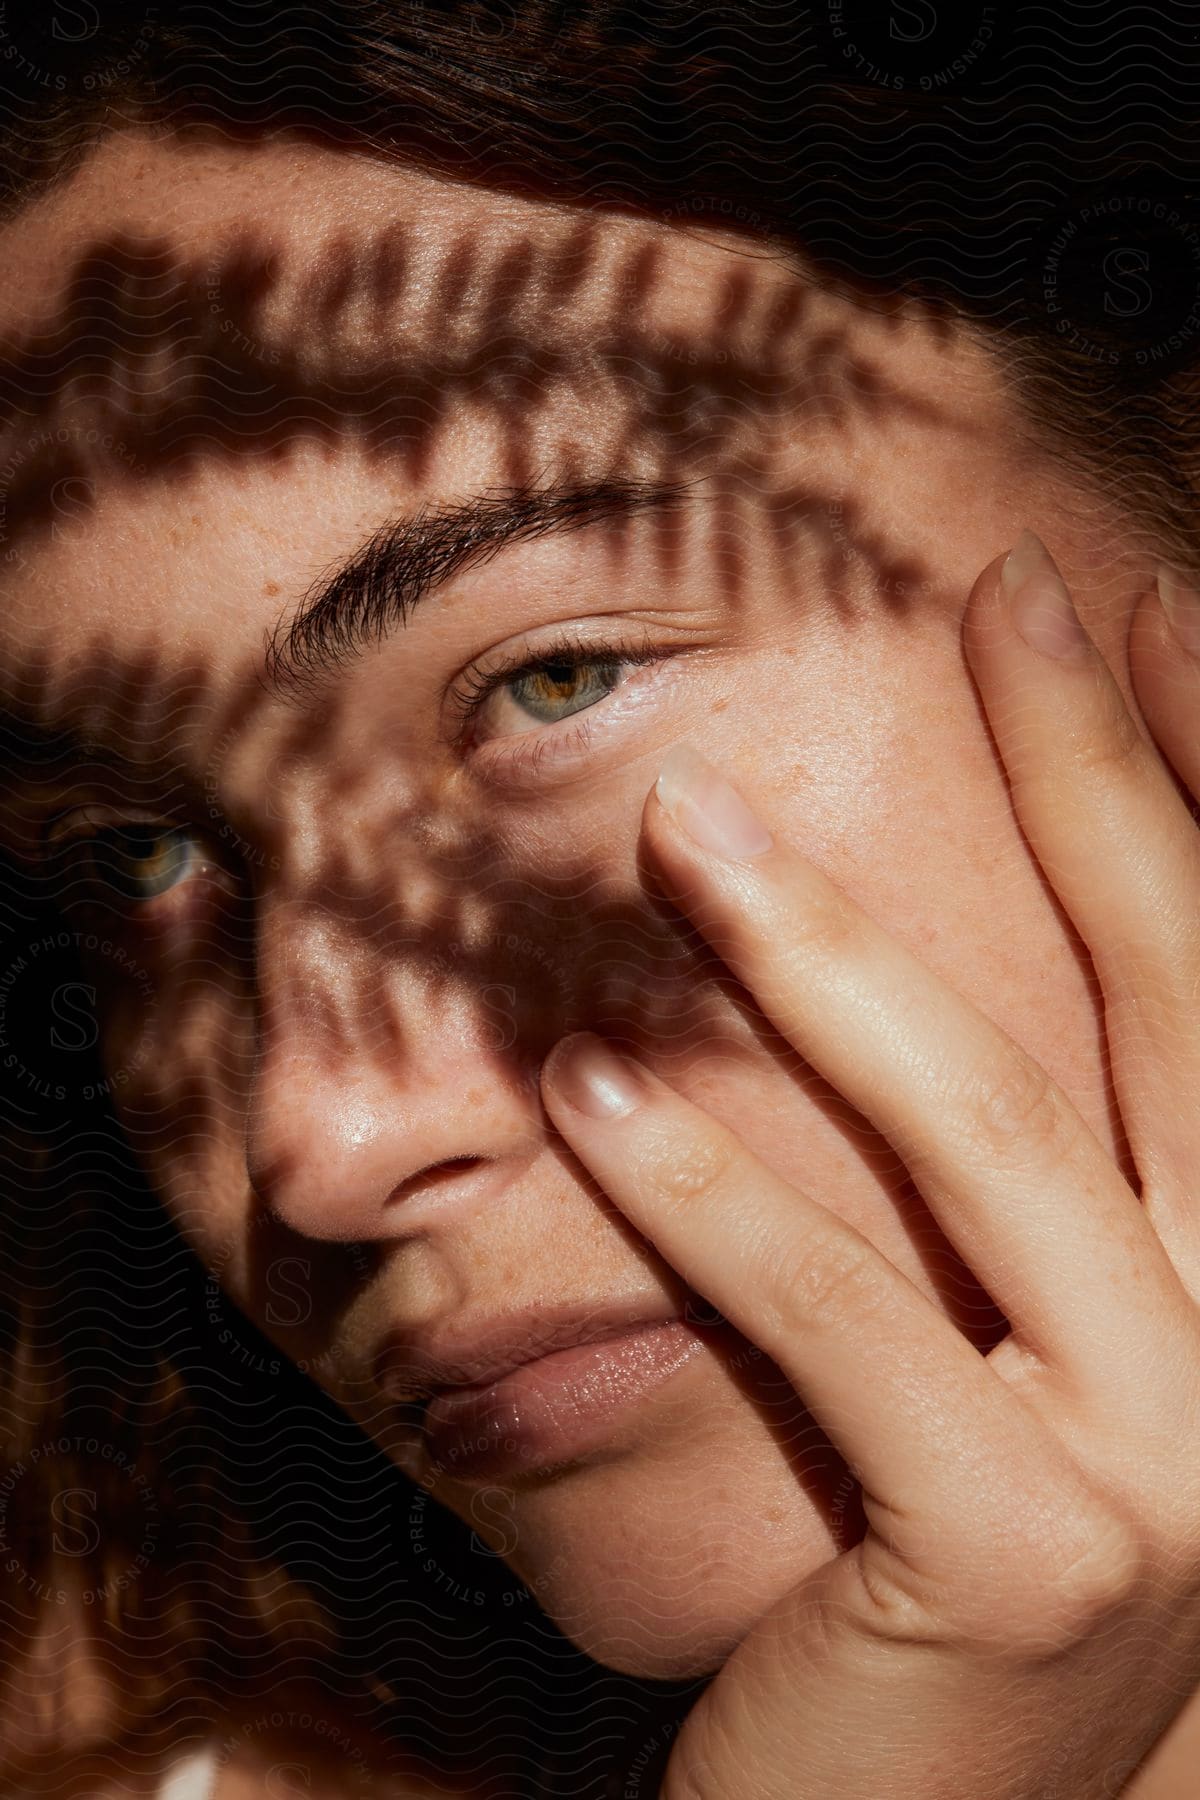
point(1182, 607)
point(703, 804)
point(1041, 606)
point(594, 1078)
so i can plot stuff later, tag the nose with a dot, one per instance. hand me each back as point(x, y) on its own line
point(379, 1091)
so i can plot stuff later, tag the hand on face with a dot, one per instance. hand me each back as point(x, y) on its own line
point(1056, 1649)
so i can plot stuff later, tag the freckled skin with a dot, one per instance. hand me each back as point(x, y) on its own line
point(425, 930)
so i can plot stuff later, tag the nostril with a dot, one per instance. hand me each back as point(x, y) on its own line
point(433, 1173)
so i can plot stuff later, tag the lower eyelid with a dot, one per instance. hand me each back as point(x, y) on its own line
point(529, 749)
point(529, 752)
point(205, 871)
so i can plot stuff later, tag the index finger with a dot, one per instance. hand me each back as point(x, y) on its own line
point(897, 1388)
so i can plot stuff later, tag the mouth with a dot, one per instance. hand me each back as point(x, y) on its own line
point(534, 1391)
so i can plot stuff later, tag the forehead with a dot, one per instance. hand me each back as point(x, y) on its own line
point(293, 289)
point(183, 319)
point(177, 286)
point(225, 362)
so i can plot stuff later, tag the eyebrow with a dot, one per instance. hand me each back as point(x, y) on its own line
point(405, 560)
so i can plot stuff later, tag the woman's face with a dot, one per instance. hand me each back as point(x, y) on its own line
point(361, 914)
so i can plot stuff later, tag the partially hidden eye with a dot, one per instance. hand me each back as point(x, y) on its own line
point(124, 864)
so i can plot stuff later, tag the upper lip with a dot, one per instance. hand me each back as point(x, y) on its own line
point(411, 1369)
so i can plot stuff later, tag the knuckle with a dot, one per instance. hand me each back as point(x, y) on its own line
point(1071, 1596)
point(687, 1175)
point(1023, 1107)
point(876, 1597)
point(818, 930)
point(1057, 1602)
point(1114, 749)
point(1098, 1579)
point(838, 1284)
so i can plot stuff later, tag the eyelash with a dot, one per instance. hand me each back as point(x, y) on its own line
point(474, 687)
point(59, 848)
point(479, 681)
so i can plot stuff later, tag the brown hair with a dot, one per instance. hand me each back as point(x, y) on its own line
point(997, 161)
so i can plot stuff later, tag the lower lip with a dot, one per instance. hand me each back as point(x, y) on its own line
point(553, 1410)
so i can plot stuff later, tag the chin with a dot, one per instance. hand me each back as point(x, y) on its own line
point(657, 1551)
point(659, 1570)
point(665, 1622)
point(672, 1653)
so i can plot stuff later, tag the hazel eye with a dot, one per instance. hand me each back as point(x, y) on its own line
point(551, 690)
point(128, 864)
point(518, 695)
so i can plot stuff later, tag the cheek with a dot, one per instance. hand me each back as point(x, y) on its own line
point(185, 1050)
point(898, 793)
point(911, 812)
point(201, 1182)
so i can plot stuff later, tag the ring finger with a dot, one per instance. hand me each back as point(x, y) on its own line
point(1109, 828)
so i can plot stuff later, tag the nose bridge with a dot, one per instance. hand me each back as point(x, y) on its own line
point(309, 969)
point(338, 800)
point(371, 1067)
